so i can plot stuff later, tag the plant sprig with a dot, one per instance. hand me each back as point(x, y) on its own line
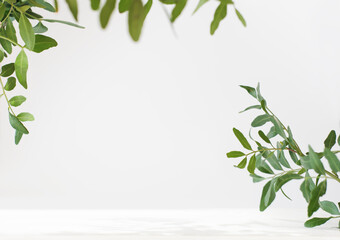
point(270, 163)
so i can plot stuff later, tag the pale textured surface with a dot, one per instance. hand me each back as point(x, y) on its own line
point(159, 224)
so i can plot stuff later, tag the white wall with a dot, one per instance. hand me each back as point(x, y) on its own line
point(147, 125)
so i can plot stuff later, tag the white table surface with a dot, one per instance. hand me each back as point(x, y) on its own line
point(216, 224)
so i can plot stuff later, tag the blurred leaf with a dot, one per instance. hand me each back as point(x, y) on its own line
point(250, 90)
point(220, 14)
point(235, 154)
point(43, 43)
point(242, 164)
point(268, 195)
point(281, 156)
point(18, 136)
point(330, 140)
point(242, 139)
point(16, 124)
point(10, 31)
point(251, 107)
point(21, 66)
point(261, 120)
point(3, 9)
point(95, 4)
point(263, 136)
point(315, 162)
point(25, 116)
point(124, 5)
point(4, 43)
point(179, 6)
point(294, 157)
point(329, 207)
point(251, 165)
point(10, 84)
point(136, 19)
point(257, 178)
point(271, 158)
point(106, 12)
point(272, 132)
point(241, 18)
point(200, 4)
point(333, 160)
point(26, 32)
point(7, 70)
point(63, 22)
point(318, 192)
point(282, 180)
point(40, 28)
point(316, 222)
point(307, 187)
point(17, 101)
point(73, 6)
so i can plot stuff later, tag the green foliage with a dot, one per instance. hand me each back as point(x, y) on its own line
point(270, 163)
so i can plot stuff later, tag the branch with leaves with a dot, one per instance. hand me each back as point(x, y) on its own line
point(268, 162)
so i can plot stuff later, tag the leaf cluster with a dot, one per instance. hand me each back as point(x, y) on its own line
point(275, 157)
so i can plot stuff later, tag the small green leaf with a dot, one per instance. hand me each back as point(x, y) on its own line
point(4, 43)
point(316, 222)
point(17, 101)
point(179, 6)
point(272, 132)
point(26, 32)
point(63, 22)
point(18, 136)
point(264, 137)
point(315, 162)
point(95, 4)
point(250, 90)
point(2, 55)
point(318, 192)
point(330, 140)
point(200, 4)
point(235, 154)
point(16, 124)
point(271, 158)
point(7, 70)
point(10, 84)
point(251, 165)
point(329, 207)
point(220, 14)
point(124, 5)
point(251, 107)
point(3, 9)
point(242, 139)
point(136, 19)
point(307, 187)
point(25, 116)
point(293, 157)
point(21, 66)
point(242, 164)
point(40, 28)
point(268, 195)
point(73, 6)
point(256, 178)
point(106, 12)
point(333, 160)
point(282, 180)
point(43, 43)
point(261, 120)
point(241, 18)
point(262, 166)
point(10, 31)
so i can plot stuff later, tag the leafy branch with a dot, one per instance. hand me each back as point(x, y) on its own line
point(270, 160)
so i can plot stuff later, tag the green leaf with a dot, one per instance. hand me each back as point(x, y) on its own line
point(124, 5)
point(180, 5)
point(263, 136)
point(4, 43)
point(307, 187)
point(73, 6)
point(256, 178)
point(339, 140)
point(315, 162)
point(200, 4)
point(333, 160)
point(242, 139)
point(271, 158)
point(316, 222)
point(16, 124)
point(330, 140)
point(259, 96)
point(10, 84)
point(268, 195)
point(241, 18)
point(10, 31)
point(242, 164)
point(95, 4)
point(278, 127)
point(272, 132)
point(262, 166)
point(251, 165)
point(318, 192)
point(3, 9)
point(250, 90)
point(18, 136)
point(294, 157)
point(43, 43)
point(235, 154)
point(281, 156)
point(220, 14)
point(282, 180)
point(106, 12)
point(42, 4)
point(63, 22)
point(25, 116)
point(21, 66)
point(261, 120)
point(17, 101)
point(7, 70)
point(329, 207)
point(40, 28)
point(26, 32)
point(251, 107)
point(136, 19)
point(2, 55)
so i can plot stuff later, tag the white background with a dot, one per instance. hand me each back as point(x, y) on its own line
point(147, 125)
